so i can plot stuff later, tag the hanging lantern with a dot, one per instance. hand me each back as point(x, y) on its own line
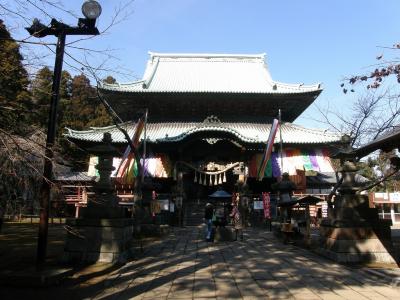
point(215, 180)
point(224, 179)
point(210, 181)
point(195, 176)
point(204, 180)
point(220, 179)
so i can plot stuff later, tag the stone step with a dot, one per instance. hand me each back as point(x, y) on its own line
point(194, 214)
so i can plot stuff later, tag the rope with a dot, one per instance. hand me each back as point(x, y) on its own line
point(207, 172)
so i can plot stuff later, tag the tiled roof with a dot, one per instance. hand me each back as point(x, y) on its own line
point(215, 73)
point(177, 131)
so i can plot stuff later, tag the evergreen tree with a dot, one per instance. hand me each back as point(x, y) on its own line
point(66, 86)
point(41, 93)
point(14, 96)
point(83, 110)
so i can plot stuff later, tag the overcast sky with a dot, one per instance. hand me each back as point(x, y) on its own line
point(304, 41)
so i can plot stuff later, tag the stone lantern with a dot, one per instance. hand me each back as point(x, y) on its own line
point(102, 234)
point(353, 232)
point(349, 205)
point(105, 202)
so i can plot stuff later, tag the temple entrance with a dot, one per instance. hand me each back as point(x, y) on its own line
point(207, 164)
point(210, 163)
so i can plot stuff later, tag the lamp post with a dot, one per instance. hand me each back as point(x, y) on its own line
point(86, 26)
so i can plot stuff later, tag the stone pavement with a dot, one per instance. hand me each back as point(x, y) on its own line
point(184, 266)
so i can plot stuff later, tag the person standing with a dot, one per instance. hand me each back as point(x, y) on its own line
point(208, 216)
point(285, 189)
point(237, 218)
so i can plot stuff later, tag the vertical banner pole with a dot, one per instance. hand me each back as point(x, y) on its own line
point(144, 143)
point(280, 138)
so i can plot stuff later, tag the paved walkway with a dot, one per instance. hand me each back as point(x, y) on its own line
point(184, 266)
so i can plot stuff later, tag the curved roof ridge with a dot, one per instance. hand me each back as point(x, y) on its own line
point(298, 86)
point(177, 131)
point(205, 129)
point(105, 85)
point(312, 130)
point(150, 71)
point(206, 55)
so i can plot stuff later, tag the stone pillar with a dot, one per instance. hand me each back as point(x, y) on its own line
point(353, 232)
point(102, 234)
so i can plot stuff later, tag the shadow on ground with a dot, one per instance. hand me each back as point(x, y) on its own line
point(183, 266)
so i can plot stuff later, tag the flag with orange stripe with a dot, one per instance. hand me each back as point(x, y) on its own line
point(128, 156)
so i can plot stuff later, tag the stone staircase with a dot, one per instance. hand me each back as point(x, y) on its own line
point(194, 214)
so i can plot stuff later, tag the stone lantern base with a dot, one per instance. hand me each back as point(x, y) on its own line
point(355, 245)
point(98, 240)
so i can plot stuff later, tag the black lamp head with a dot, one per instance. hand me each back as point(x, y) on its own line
point(38, 29)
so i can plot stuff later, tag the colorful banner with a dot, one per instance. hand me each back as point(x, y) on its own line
point(323, 160)
point(159, 167)
point(306, 161)
point(92, 171)
point(293, 159)
point(276, 169)
point(267, 205)
point(268, 150)
point(128, 156)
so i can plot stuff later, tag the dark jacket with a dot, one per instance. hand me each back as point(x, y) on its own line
point(209, 211)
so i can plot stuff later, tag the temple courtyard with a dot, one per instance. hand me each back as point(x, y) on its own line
point(182, 265)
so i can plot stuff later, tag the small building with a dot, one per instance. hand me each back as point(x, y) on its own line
point(388, 205)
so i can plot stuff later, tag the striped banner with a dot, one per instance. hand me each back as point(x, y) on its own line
point(316, 159)
point(268, 149)
point(266, 205)
point(128, 156)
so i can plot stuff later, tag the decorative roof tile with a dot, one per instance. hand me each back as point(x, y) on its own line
point(205, 73)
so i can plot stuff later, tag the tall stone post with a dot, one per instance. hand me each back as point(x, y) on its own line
point(105, 202)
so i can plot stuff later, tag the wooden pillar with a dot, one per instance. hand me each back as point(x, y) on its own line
point(308, 229)
point(77, 210)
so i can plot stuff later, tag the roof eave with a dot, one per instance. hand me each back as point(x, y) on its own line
point(145, 91)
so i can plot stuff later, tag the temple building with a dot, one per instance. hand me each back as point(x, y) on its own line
point(209, 117)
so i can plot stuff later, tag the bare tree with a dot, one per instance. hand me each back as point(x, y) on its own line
point(22, 151)
point(370, 115)
point(19, 14)
point(375, 108)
